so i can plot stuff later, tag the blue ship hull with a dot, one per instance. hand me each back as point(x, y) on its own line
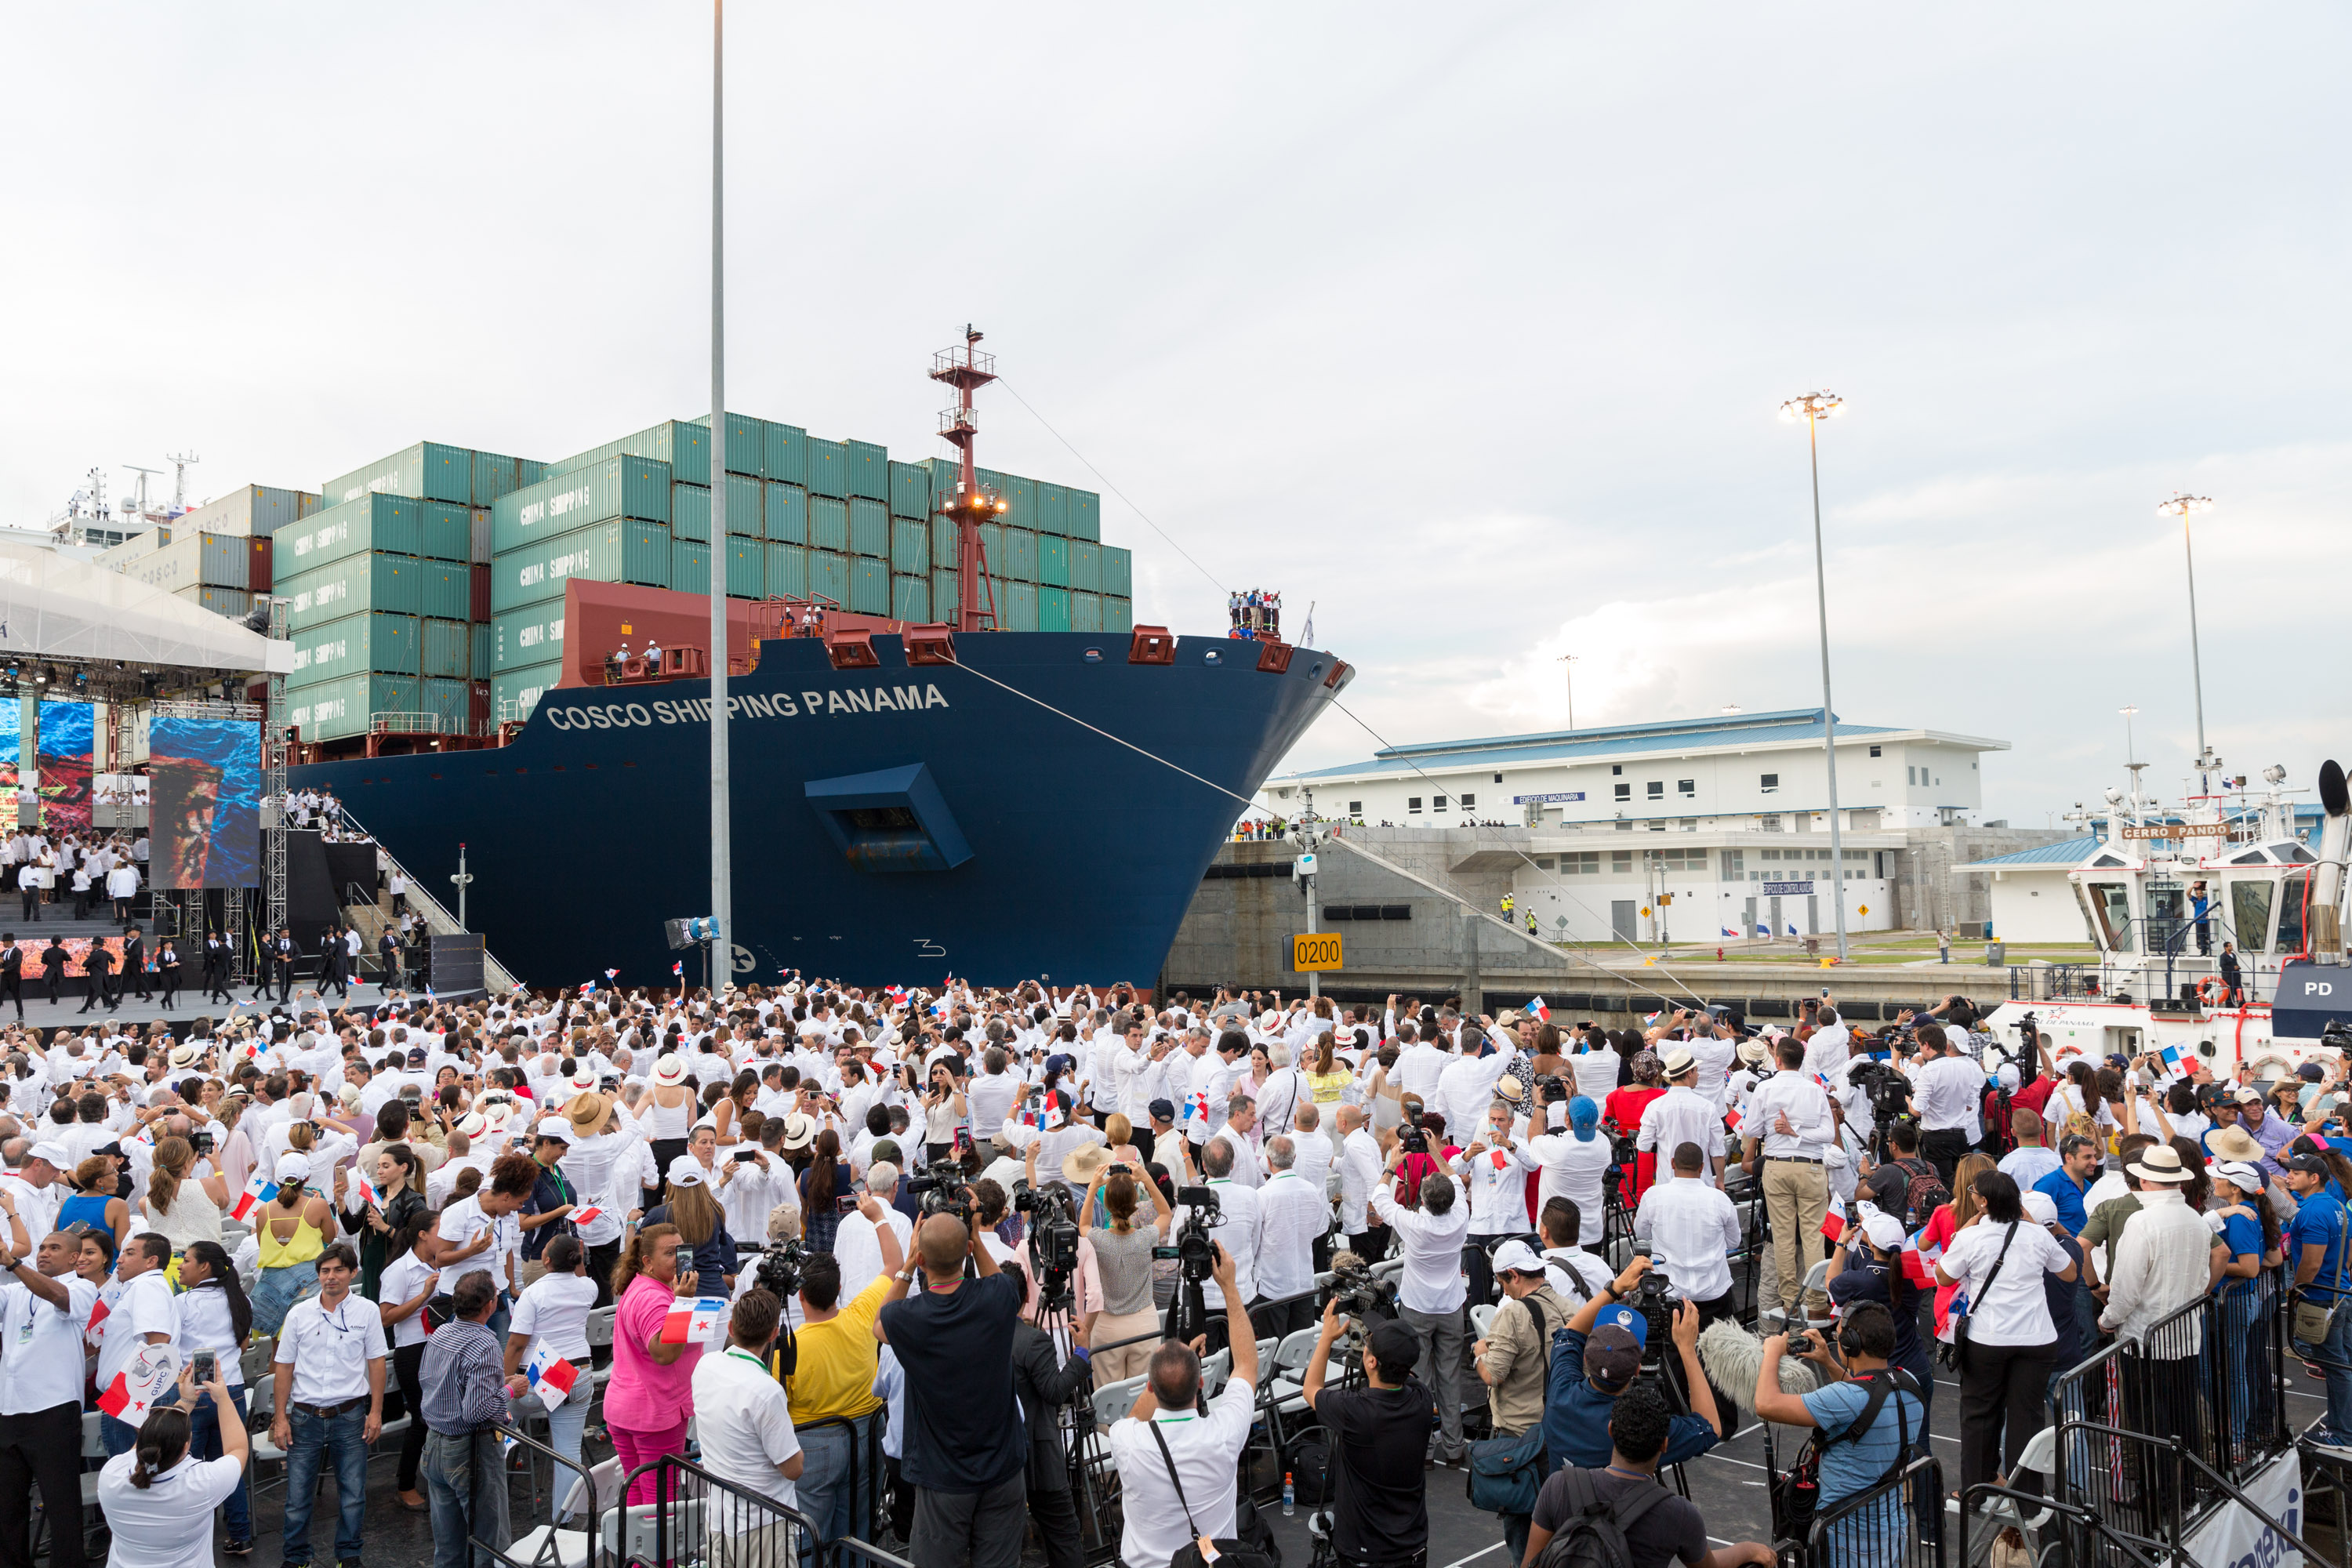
point(891, 825)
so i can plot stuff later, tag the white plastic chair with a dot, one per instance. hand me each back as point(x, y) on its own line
point(254, 1359)
point(2041, 1457)
point(571, 1545)
point(93, 1447)
point(1482, 1318)
point(1214, 1371)
point(1114, 1400)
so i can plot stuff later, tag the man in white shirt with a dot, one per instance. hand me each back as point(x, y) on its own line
point(1493, 1169)
point(1832, 1042)
point(327, 1402)
point(1239, 1235)
point(1948, 1092)
point(1682, 1115)
point(1786, 1130)
point(1430, 1294)
point(44, 1306)
point(744, 1422)
point(857, 1244)
point(1204, 1446)
point(1576, 1276)
point(1419, 1066)
point(1241, 1115)
point(1691, 1228)
point(143, 1314)
point(1360, 1172)
point(1314, 1149)
point(1466, 1087)
point(1293, 1217)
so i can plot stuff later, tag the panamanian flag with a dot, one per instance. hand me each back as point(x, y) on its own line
point(365, 1191)
point(1199, 1105)
point(690, 1321)
point(1541, 1009)
point(258, 1190)
point(1729, 931)
point(2175, 1061)
point(1920, 1260)
point(679, 968)
point(1833, 1221)
point(550, 1376)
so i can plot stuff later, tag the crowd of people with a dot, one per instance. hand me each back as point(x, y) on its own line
point(804, 1216)
point(90, 870)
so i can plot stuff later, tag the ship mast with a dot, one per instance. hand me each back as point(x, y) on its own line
point(968, 369)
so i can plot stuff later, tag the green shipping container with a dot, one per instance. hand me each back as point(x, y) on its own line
point(515, 692)
point(1022, 496)
point(911, 599)
point(747, 568)
point(481, 651)
point(1119, 616)
point(450, 702)
point(869, 470)
point(426, 472)
point(347, 586)
point(944, 472)
point(869, 529)
point(690, 513)
point(828, 576)
point(1086, 566)
point(494, 475)
point(448, 649)
point(992, 546)
point(828, 524)
point(1085, 515)
point(689, 567)
point(444, 531)
point(390, 525)
point(947, 538)
point(1053, 609)
point(1052, 560)
point(787, 515)
point(787, 571)
point(1052, 509)
point(827, 468)
point(1017, 606)
point(747, 443)
point(910, 491)
point(446, 591)
point(746, 508)
point(685, 447)
point(911, 545)
point(869, 586)
point(1118, 571)
point(337, 710)
point(354, 645)
point(945, 586)
point(1019, 561)
point(617, 552)
point(787, 454)
point(1085, 612)
point(634, 487)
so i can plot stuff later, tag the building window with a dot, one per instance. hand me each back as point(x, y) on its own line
point(1874, 750)
point(1624, 791)
point(1621, 860)
point(1469, 801)
point(1655, 789)
point(1686, 788)
point(1437, 803)
point(1355, 809)
point(1586, 863)
point(1910, 775)
point(1499, 778)
point(1412, 805)
point(1615, 769)
point(1734, 865)
point(1624, 827)
point(1543, 863)
point(1655, 826)
point(1771, 784)
point(1768, 825)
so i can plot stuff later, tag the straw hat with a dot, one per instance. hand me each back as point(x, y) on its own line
point(2233, 1143)
point(1679, 1061)
point(800, 1131)
point(1083, 1162)
point(2159, 1163)
point(670, 1069)
point(586, 1112)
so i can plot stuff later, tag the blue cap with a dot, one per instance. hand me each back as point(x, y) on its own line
point(1632, 1320)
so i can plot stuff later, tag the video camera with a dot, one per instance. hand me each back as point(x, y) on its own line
point(1053, 1239)
point(1196, 1256)
point(1414, 1137)
point(781, 1267)
point(1357, 1291)
point(1889, 1090)
point(942, 1186)
point(1657, 1308)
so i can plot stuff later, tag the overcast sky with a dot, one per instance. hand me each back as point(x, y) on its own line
point(1466, 324)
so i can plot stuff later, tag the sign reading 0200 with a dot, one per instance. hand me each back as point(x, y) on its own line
point(1314, 953)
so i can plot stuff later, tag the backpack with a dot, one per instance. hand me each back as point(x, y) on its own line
point(1924, 1194)
point(1593, 1533)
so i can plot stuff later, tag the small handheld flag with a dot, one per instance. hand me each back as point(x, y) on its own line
point(258, 1190)
point(95, 1330)
point(679, 968)
point(1834, 1222)
point(612, 974)
point(137, 1386)
point(584, 1216)
point(364, 1190)
point(1502, 1161)
point(550, 1376)
point(1541, 1009)
point(1916, 1266)
point(587, 987)
point(691, 1320)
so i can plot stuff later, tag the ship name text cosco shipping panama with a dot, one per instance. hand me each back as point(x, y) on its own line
point(781, 705)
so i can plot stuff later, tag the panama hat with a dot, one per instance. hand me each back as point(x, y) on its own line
point(670, 1069)
point(2235, 1144)
point(1083, 1162)
point(2159, 1163)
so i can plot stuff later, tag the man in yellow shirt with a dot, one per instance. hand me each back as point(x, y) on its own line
point(833, 1382)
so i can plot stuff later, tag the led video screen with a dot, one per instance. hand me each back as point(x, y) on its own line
point(63, 749)
point(205, 789)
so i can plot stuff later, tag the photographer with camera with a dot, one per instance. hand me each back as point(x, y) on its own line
point(834, 1363)
point(1045, 1380)
point(1380, 1514)
point(1596, 1358)
point(1693, 1225)
point(1868, 1419)
point(1179, 1454)
point(1789, 1127)
point(1431, 1294)
point(967, 1449)
point(1947, 1088)
point(1516, 1355)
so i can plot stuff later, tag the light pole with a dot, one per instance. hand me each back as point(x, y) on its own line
point(2183, 507)
point(2131, 757)
point(1307, 833)
point(722, 817)
point(1567, 668)
point(1813, 408)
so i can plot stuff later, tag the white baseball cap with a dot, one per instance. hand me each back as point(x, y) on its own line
point(686, 1171)
point(1516, 1256)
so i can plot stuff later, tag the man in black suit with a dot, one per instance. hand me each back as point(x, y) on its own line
point(388, 944)
point(217, 954)
point(12, 973)
point(97, 964)
point(336, 952)
point(281, 958)
point(135, 966)
point(54, 959)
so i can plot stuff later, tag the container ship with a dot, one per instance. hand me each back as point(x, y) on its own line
point(951, 749)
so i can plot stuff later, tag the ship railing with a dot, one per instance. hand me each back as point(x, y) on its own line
point(399, 724)
point(438, 920)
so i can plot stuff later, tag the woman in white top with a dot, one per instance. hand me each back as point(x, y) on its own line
point(600, 1136)
point(667, 1114)
point(554, 1312)
point(2011, 1342)
point(158, 1500)
point(216, 1319)
point(180, 1207)
point(407, 1283)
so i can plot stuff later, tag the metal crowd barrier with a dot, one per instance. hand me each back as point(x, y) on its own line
point(1881, 1527)
point(548, 1546)
point(869, 1506)
point(852, 1553)
point(697, 1518)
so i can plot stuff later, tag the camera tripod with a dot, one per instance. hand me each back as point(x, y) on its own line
point(1099, 1522)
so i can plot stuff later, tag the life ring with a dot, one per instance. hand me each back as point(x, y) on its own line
point(2208, 988)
